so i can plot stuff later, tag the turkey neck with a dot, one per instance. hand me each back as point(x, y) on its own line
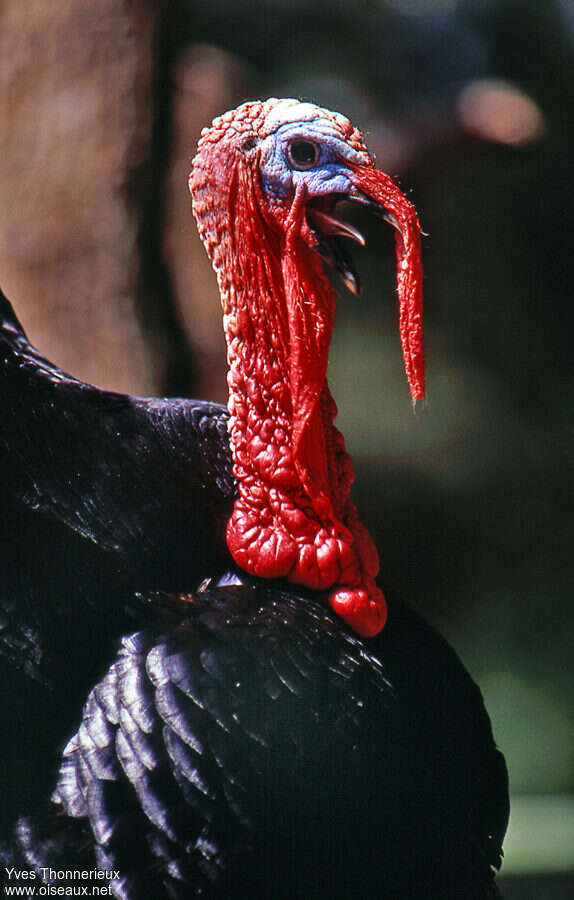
point(278, 329)
point(293, 517)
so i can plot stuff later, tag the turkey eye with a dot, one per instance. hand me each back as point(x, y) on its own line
point(303, 154)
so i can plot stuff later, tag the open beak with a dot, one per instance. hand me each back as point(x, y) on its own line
point(329, 228)
point(376, 192)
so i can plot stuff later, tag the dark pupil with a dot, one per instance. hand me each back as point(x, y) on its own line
point(303, 152)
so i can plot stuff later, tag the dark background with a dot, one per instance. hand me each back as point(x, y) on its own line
point(469, 104)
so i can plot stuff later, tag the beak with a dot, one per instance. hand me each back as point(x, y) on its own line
point(356, 196)
point(328, 229)
point(331, 224)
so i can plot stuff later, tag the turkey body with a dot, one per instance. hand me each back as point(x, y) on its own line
point(205, 689)
point(242, 742)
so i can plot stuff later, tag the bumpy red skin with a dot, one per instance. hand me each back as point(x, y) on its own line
point(293, 517)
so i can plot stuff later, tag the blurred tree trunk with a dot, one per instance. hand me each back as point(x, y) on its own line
point(77, 118)
point(206, 81)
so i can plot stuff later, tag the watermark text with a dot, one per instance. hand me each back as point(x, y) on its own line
point(48, 882)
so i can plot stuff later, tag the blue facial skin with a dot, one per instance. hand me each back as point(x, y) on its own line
point(328, 175)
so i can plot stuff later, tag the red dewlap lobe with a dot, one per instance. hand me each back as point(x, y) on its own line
point(363, 609)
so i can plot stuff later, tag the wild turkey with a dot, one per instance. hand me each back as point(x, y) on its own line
point(244, 742)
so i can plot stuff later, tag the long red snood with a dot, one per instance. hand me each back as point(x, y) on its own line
point(379, 187)
point(293, 517)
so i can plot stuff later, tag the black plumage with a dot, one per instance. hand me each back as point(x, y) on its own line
point(140, 489)
point(241, 742)
point(102, 496)
point(258, 749)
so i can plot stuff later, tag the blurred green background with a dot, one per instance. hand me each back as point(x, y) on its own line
point(469, 103)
